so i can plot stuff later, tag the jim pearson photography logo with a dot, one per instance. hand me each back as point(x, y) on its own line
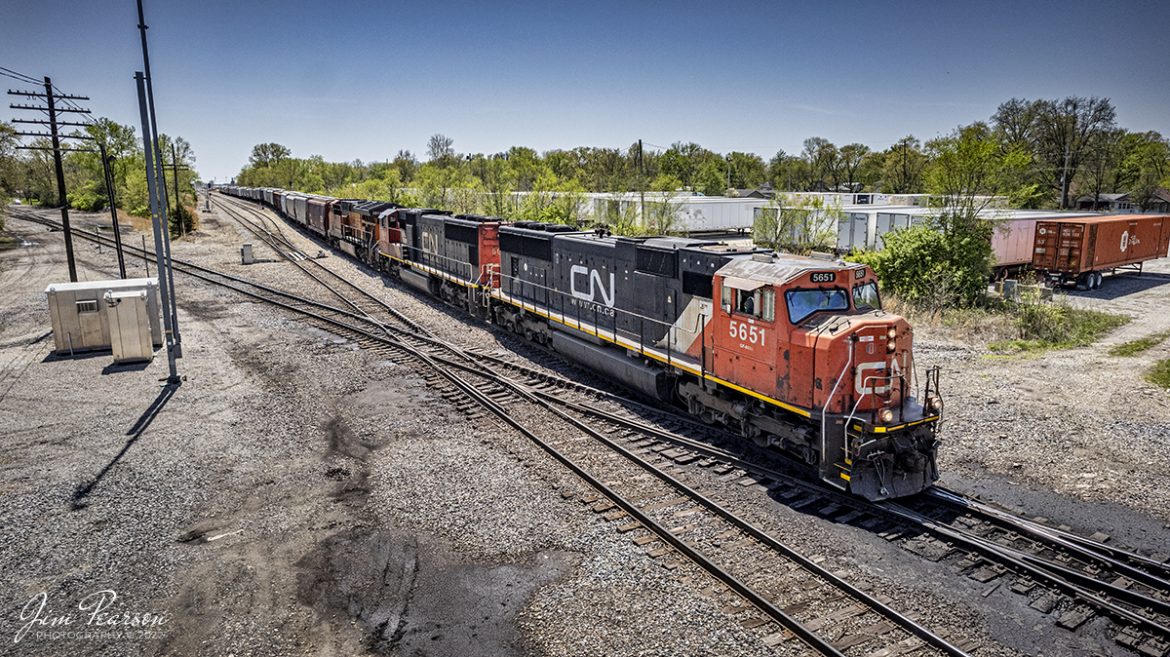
point(98, 615)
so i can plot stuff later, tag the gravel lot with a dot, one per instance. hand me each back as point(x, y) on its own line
point(283, 503)
point(1077, 423)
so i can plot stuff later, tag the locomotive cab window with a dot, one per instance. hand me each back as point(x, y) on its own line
point(865, 297)
point(803, 303)
point(759, 303)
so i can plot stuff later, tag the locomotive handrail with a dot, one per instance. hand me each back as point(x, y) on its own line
point(865, 381)
point(865, 385)
point(833, 393)
point(458, 265)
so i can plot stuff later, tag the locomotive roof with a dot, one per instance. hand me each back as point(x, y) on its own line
point(780, 268)
point(677, 242)
point(371, 208)
point(478, 218)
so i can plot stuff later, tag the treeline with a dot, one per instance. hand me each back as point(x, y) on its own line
point(29, 174)
point(1064, 149)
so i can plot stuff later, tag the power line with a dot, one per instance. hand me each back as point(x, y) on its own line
point(18, 76)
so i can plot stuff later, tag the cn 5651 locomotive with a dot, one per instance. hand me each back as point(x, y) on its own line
point(787, 351)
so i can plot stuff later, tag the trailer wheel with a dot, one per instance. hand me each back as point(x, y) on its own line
point(1084, 281)
point(1098, 279)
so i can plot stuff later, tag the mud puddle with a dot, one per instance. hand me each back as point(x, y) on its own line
point(412, 595)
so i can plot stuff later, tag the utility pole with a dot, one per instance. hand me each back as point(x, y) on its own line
point(642, 183)
point(108, 171)
point(158, 222)
point(150, 130)
point(52, 110)
point(174, 166)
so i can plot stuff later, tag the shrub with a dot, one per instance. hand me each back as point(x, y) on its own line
point(931, 269)
point(1058, 326)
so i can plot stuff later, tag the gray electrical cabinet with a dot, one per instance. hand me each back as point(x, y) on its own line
point(129, 322)
point(81, 321)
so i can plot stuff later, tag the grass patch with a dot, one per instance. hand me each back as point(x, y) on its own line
point(1135, 347)
point(1043, 326)
point(1159, 374)
point(978, 325)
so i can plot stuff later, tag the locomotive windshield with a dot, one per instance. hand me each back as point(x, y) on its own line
point(865, 297)
point(802, 303)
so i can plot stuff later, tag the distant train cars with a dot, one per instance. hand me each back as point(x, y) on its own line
point(1080, 250)
point(788, 352)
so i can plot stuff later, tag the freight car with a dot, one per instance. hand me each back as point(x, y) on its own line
point(1079, 250)
point(789, 352)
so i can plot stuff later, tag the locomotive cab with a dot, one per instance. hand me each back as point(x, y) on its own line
point(808, 338)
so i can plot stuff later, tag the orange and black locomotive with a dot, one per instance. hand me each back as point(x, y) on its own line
point(787, 351)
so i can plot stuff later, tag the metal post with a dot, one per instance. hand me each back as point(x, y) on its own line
point(62, 197)
point(158, 222)
point(151, 129)
point(145, 260)
point(109, 175)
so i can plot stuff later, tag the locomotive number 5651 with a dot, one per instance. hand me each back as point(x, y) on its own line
point(746, 333)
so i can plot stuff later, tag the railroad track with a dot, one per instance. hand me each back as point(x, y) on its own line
point(775, 592)
point(1074, 578)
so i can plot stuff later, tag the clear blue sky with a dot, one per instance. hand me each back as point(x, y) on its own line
point(359, 80)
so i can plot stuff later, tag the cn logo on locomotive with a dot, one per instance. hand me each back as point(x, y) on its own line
point(596, 285)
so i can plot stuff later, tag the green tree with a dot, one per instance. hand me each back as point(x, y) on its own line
point(406, 163)
point(849, 162)
point(823, 159)
point(499, 184)
point(788, 172)
point(1150, 160)
point(797, 225)
point(711, 179)
point(441, 149)
point(526, 167)
point(903, 166)
point(10, 170)
point(665, 182)
point(747, 170)
point(1065, 131)
point(264, 155)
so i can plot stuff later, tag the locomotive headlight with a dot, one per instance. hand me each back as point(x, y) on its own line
point(891, 346)
point(885, 416)
point(934, 404)
point(892, 333)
